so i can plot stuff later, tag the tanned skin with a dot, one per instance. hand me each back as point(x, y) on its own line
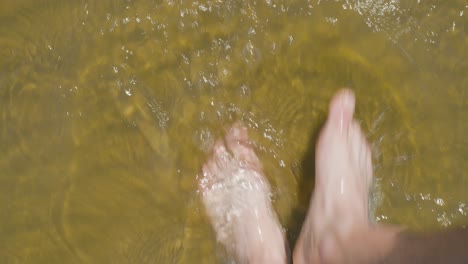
point(392, 245)
point(450, 246)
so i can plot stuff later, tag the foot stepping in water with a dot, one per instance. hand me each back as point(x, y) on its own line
point(236, 197)
point(342, 178)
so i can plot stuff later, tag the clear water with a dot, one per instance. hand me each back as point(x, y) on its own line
point(108, 110)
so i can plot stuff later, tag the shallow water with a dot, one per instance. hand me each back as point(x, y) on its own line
point(109, 108)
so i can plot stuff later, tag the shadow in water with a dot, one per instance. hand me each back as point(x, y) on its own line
point(305, 175)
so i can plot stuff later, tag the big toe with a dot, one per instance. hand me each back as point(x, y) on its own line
point(238, 143)
point(341, 109)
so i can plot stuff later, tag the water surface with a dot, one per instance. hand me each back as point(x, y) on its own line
point(109, 108)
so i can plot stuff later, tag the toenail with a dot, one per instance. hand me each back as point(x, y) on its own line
point(346, 98)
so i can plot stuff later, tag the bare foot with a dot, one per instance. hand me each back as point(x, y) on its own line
point(236, 197)
point(342, 178)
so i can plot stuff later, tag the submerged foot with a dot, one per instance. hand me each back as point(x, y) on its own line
point(342, 178)
point(236, 197)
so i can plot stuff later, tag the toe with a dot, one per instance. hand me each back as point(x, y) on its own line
point(205, 180)
point(342, 109)
point(220, 154)
point(361, 150)
point(238, 132)
point(238, 143)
